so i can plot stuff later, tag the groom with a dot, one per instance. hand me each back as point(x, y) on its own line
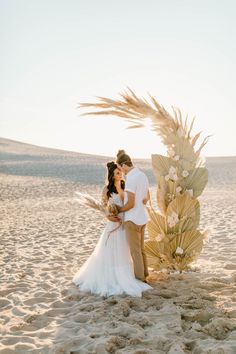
point(135, 214)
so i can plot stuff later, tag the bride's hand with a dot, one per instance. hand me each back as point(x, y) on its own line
point(113, 218)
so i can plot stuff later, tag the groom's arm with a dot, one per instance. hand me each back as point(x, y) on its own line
point(147, 198)
point(130, 203)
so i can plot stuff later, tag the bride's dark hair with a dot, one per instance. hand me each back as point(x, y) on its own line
point(111, 188)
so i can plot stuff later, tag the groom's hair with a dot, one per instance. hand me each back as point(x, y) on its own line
point(123, 158)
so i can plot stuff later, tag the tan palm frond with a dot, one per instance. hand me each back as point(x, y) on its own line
point(205, 141)
point(188, 211)
point(135, 109)
point(186, 165)
point(90, 202)
point(185, 150)
point(190, 244)
point(158, 256)
point(161, 165)
point(166, 192)
point(196, 181)
point(156, 225)
point(190, 241)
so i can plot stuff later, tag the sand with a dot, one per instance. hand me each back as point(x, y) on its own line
point(46, 236)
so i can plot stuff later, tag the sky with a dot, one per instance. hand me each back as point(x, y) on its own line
point(55, 54)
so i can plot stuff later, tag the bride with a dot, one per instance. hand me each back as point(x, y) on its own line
point(109, 269)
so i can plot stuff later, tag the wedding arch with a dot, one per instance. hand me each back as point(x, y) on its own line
point(174, 238)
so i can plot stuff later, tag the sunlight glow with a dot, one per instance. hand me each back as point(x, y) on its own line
point(70, 52)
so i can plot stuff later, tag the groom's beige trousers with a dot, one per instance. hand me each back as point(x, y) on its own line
point(135, 237)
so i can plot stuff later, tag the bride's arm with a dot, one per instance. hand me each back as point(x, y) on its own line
point(130, 203)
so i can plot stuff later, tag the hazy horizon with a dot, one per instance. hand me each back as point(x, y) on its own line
point(84, 153)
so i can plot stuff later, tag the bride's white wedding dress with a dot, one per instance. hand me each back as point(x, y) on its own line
point(109, 269)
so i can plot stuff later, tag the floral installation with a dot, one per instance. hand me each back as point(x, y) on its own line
point(174, 239)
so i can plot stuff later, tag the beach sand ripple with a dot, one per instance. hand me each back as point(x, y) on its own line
point(46, 236)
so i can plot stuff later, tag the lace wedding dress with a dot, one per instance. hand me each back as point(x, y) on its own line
point(109, 269)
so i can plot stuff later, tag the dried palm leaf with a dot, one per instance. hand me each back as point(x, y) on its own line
point(162, 194)
point(185, 248)
point(190, 242)
point(167, 192)
point(162, 164)
point(183, 213)
point(196, 181)
point(157, 255)
point(157, 225)
point(205, 141)
point(131, 107)
point(186, 165)
point(185, 150)
point(90, 202)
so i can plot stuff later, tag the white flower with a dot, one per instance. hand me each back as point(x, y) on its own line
point(176, 157)
point(190, 192)
point(185, 173)
point(179, 250)
point(170, 196)
point(175, 177)
point(171, 152)
point(178, 189)
point(172, 174)
point(172, 219)
point(159, 237)
point(172, 170)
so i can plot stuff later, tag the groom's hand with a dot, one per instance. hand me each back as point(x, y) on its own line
point(130, 203)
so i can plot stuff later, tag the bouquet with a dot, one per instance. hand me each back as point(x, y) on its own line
point(112, 210)
point(88, 201)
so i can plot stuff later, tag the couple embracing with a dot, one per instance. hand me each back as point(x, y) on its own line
point(118, 263)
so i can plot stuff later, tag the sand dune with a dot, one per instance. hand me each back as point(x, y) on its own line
point(46, 236)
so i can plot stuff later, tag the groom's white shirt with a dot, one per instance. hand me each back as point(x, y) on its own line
point(137, 183)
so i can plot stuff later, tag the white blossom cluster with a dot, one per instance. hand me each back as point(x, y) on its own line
point(172, 219)
point(179, 250)
point(172, 174)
